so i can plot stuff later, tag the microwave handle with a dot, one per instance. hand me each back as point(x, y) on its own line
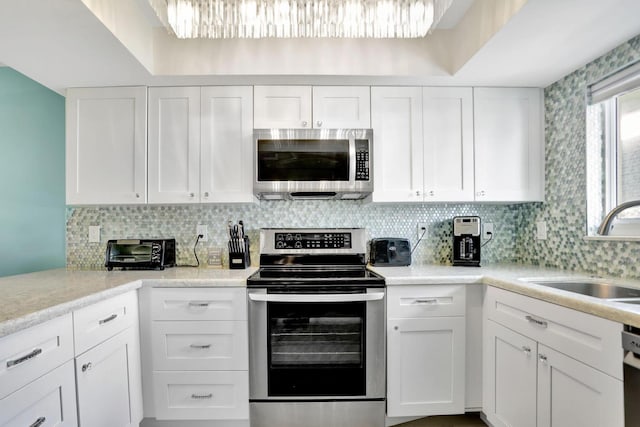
point(374, 296)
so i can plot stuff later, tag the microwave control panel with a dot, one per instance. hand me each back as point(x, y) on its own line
point(362, 160)
point(313, 240)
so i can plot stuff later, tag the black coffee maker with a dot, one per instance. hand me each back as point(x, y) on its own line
point(466, 241)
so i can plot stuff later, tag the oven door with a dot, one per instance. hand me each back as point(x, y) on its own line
point(320, 345)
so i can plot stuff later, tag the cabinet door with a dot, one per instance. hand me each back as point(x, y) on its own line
point(174, 145)
point(510, 377)
point(108, 383)
point(106, 145)
point(571, 393)
point(48, 401)
point(396, 119)
point(341, 107)
point(282, 107)
point(227, 144)
point(448, 144)
point(509, 144)
point(425, 366)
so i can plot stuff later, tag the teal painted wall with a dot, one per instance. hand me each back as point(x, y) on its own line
point(32, 175)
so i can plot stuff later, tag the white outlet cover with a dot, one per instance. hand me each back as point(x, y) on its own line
point(94, 234)
point(202, 229)
point(541, 230)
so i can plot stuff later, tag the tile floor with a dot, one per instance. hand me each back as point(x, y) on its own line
point(467, 420)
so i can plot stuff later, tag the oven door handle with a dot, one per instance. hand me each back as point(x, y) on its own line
point(374, 296)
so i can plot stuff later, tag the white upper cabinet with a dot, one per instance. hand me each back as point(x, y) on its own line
point(509, 144)
point(174, 145)
point(396, 118)
point(346, 107)
point(227, 144)
point(448, 144)
point(106, 152)
point(200, 144)
point(330, 107)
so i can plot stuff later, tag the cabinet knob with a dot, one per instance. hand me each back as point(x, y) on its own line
point(543, 359)
point(304, 123)
point(137, 195)
point(87, 367)
point(526, 350)
point(206, 194)
point(319, 123)
point(480, 193)
point(395, 328)
point(431, 193)
point(417, 192)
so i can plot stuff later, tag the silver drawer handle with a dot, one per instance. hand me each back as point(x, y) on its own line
point(536, 321)
point(24, 358)
point(202, 396)
point(87, 367)
point(38, 422)
point(426, 301)
point(198, 304)
point(200, 346)
point(108, 319)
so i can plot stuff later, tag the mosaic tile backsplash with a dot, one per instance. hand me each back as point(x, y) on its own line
point(180, 222)
point(564, 210)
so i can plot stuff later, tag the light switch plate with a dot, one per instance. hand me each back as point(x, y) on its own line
point(541, 230)
point(94, 234)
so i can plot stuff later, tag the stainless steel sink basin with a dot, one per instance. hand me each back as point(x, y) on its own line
point(595, 289)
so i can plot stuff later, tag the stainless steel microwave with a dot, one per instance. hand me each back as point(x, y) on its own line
point(313, 163)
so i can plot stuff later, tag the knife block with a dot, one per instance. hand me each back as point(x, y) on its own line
point(239, 255)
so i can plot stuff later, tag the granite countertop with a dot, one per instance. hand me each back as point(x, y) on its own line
point(516, 278)
point(29, 299)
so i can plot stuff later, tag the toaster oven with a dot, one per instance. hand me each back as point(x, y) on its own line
point(140, 254)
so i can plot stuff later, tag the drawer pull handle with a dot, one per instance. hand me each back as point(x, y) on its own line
point(108, 319)
point(38, 422)
point(426, 301)
point(198, 304)
point(87, 367)
point(527, 350)
point(200, 346)
point(24, 358)
point(202, 396)
point(536, 321)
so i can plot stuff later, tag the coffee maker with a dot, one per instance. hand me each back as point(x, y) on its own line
point(466, 241)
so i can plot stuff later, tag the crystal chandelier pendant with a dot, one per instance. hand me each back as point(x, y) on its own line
point(304, 18)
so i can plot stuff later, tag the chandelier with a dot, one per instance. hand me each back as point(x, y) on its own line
point(221, 19)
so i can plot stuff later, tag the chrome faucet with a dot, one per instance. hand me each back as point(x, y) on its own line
point(605, 227)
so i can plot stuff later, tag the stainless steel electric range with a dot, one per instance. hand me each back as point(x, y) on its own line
point(316, 331)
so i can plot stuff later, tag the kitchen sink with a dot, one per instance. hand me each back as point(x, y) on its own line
point(595, 289)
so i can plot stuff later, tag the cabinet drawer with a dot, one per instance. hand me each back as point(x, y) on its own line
point(29, 354)
point(197, 345)
point(48, 401)
point(98, 322)
point(198, 304)
point(201, 395)
point(590, 339)
point(426, 301)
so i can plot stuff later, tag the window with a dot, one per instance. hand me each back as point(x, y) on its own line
point(613, 151)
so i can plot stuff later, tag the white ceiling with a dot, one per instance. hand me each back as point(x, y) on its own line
point(73, 43)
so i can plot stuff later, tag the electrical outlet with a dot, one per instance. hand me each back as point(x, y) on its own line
point(487, 230)
point(541, 230)
point(421, 228)
point(202, 229)
point(94, 234)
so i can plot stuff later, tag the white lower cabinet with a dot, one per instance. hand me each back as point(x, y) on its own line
point(196, 355)
point(425, 350)
point(108, 376)
point(529, 383)
point(48, 401)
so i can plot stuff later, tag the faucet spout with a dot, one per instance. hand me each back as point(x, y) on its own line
point(605, 227)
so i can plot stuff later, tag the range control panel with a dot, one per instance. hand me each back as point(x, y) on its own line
point(313, 240)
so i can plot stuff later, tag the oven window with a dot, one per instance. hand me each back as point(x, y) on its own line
point(303, 160)
point(317, 349)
